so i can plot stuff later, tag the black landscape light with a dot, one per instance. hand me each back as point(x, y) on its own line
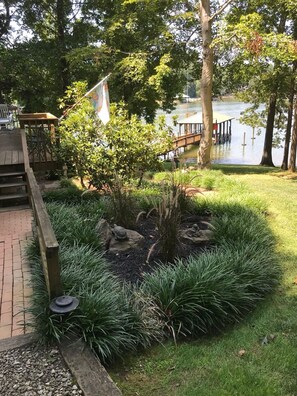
point(64, 304)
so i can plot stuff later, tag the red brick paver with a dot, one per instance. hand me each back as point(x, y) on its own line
point(15, 289)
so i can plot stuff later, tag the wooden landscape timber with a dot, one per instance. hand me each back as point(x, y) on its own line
point(49, 247)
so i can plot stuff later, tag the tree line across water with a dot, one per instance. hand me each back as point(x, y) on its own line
point(152, 50)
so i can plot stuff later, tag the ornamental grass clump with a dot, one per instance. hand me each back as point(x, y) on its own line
point(72, 224)
point(182, 298)
point(168, 213)
point(110, 318)
point(209, 291)
point(120, 206)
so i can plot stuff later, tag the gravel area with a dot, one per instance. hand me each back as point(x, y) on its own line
point(35, 370)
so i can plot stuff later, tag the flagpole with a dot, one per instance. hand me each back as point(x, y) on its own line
point(100, 82)
point(79, 101)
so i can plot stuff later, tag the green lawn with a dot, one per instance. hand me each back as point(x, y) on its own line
point(267, 338)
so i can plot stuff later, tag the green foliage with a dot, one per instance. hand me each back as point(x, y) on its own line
point(30, 83)
point(69, 194)
point(147, 45)
point(73, 226)
point(169, 209)
point(234, 357)
point(208, 179)
point(134, 146)
point(110, 318)
point(120, 206)
point(126, 146)
point(147, 196)
point(214, 289)
point(202, 294)
point(251, 37)
point(260, 38)
point(79, 131)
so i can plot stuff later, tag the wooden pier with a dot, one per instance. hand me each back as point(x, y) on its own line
point(192, 126)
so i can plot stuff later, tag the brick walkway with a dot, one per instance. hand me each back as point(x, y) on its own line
point(15, 290)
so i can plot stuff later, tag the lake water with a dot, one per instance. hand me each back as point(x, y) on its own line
point(234, 152)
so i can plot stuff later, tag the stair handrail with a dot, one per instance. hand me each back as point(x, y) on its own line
point(49, 247)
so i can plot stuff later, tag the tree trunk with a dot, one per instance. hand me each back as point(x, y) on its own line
point(206, 86)
point(267, 150)
point(288, 131)
point(290, 111)
point(292, 163)
point(62, 62)
point(5, 19)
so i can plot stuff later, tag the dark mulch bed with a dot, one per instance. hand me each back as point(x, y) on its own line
point(131, 265)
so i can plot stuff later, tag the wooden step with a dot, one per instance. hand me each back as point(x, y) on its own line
point(12, 174)
point(14, 208)
point(13, 184)
point(13, 196)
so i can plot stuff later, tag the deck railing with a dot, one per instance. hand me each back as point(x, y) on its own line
point(49, 247)
point(42, 139)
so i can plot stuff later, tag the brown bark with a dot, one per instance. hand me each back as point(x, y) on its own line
point(206, 85)
point(290, 111)
point(288, 131)
point(5, 20)
point(61, 27)
point(292, 162)
point(267, 150)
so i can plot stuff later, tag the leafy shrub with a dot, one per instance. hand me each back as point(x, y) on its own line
point(125, 145)
point(65, 183)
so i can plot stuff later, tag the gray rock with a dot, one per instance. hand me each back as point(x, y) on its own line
point(104, 231)
point(134, 241)
point(120, 233)
point(197, 235)
point(35, 378)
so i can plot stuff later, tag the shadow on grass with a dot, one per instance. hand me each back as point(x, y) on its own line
point(245, 169)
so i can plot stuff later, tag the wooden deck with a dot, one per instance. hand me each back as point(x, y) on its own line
point(11, 152)
point(40, 149)
point(185, 140)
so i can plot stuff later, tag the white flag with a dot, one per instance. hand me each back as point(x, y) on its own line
point(100, 100)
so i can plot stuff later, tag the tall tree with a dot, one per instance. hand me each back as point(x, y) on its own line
point(5, 17)
point(284, 165)
point(207, 80)
point(292, 163)
point(267, 72)
point(146, 44)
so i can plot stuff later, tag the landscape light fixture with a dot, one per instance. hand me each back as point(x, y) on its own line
point(64, 304)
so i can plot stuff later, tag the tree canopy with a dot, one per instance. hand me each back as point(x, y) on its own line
point(150, 47)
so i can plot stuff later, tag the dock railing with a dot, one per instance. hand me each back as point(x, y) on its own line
point(49, 247)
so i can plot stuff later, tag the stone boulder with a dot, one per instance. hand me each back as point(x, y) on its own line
point(197, 234)
point(110, 237)
point(134, 241)
point(104, 231)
